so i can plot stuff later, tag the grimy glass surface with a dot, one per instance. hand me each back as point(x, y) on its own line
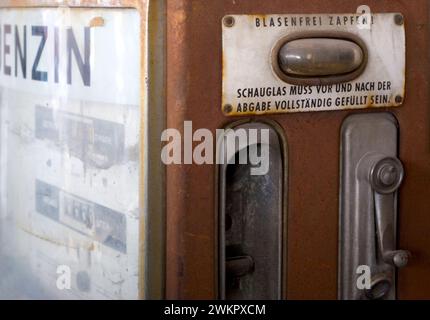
point(320, 57)
point(69, 153)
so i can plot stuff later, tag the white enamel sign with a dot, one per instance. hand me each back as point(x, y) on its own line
point(69, 152)
point(251, 86)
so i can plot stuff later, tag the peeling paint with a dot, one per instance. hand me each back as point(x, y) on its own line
point(97, 22)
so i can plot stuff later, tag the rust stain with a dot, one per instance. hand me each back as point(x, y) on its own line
point(369, 101)
point(197, 236)
point(70, 3)
point(179, 18)
point(89, 247)
point(97, 22)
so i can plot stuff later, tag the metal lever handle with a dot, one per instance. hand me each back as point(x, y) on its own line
point(386, 177)
point(239, 266)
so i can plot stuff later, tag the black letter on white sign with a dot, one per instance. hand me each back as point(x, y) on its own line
point(19, 51)
point(6, 49)
point(84, 66)
point(41, 31)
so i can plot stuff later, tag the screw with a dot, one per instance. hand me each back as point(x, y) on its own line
point(228, 21)
point(398, 19)
point(388, 175)
point(399, 99)
point(228, 108)
point(401, 259)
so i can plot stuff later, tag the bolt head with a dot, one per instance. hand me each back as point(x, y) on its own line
point(399, 99)
point(398, 19)
point(386, 175)
point(228, 108)
point(401, 259)
point(228, 21)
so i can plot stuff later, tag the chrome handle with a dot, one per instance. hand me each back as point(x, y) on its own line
point(386, 176)
point(371, 174)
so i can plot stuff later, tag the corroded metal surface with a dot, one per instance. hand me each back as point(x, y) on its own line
point(194, 54)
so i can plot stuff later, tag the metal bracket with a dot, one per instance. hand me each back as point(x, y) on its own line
point(370, 177)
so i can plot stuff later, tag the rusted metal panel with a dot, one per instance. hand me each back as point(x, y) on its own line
point(75, 3)
point(194, 55)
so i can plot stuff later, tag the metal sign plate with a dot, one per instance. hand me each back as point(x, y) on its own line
point(69, 150)
point(251, 86)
